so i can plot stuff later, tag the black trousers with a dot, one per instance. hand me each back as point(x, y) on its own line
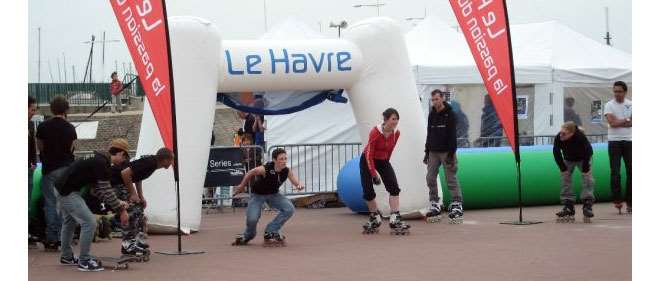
point(387, 175)
point(616, 151)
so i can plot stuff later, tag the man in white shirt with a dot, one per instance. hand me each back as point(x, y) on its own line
point(619, 135)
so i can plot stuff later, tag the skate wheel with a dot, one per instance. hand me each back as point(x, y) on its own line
point(568, 219)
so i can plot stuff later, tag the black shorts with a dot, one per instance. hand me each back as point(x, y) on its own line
point(384, 168)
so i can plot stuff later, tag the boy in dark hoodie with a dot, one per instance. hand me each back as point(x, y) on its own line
point(572, 149)
point(441, 150)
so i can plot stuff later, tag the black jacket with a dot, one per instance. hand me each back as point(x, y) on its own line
point(441, 130)
point(577, 148)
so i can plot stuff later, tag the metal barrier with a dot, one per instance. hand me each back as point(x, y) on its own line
point(317, 165)
point(81, 94)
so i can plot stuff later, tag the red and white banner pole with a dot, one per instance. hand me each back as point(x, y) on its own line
point(485, 25)
point(146, 32)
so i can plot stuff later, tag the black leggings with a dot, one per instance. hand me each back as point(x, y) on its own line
point(387, 175)
point(618, 150)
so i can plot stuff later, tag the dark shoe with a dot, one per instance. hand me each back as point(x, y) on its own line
point(51, 246)
point(90, 265)
point(69, 260)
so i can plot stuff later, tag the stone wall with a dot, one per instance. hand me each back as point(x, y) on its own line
point(127, 125)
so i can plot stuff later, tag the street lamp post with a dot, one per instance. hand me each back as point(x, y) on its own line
point(339, 26)
point(417, 18)
point(265, 18)
point(377, 6)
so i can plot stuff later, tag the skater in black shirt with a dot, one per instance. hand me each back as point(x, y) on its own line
point(127, 181)
point(55, 140)
point(94, 172)
point(266, 190)
point(440, 150)
point(572, 149)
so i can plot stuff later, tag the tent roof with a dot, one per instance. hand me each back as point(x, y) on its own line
point(543, 52)
point(291, 29)
point(431, 35)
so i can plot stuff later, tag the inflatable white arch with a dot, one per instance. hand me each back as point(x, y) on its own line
point(370, 62)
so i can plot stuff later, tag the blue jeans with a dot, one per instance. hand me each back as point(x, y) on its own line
point(53, 220)
point(74, 211)
point(259, 139)
point(277, 201)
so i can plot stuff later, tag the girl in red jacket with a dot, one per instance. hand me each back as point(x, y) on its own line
point(375, 160)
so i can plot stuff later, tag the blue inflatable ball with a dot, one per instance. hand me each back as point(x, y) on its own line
point(349, 186)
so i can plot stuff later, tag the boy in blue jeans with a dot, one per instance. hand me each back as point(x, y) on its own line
point(94, 172)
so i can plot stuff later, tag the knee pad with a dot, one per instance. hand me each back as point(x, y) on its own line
point(394, 190)
point(369, 195)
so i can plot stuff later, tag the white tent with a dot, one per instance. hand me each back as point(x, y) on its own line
point(552, 62)
point(291, 29)
point(544, 52)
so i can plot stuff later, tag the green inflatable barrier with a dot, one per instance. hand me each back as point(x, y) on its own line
point(36, 193)
point(488, 177)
